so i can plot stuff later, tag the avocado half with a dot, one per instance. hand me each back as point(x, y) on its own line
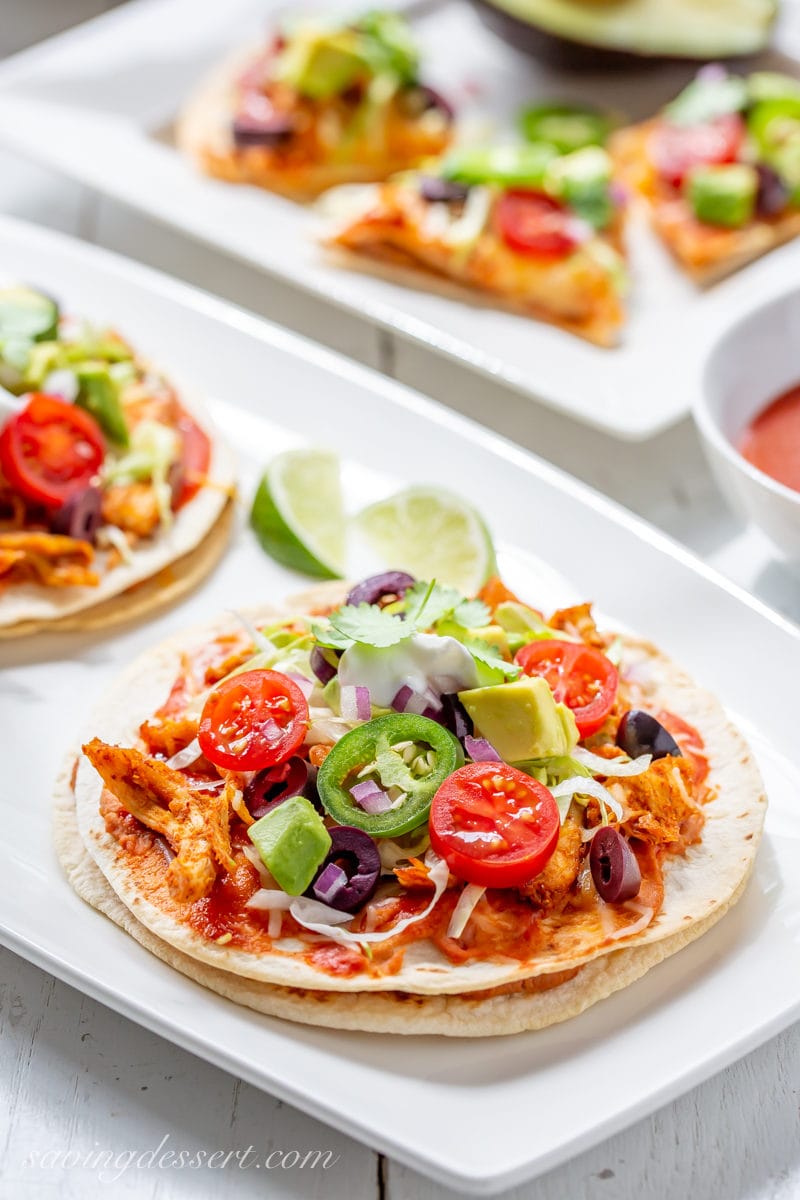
point(611, 33)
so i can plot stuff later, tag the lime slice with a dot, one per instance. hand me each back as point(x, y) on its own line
point(433, 534)
point(298, 513)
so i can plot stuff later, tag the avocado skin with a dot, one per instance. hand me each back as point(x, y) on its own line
point(570, 55)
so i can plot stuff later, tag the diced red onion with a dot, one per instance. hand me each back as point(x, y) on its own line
point(425, 703)
point(480, 750)
point(305, 685)
point(620, 194)
point(712, 73)
point(331, 881)
point(355, 702)
point(371, 798)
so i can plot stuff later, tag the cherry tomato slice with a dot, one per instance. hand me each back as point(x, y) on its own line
point(253, 720)
point(50, 449)
point(494, 825)
point(535, 224)
point(194, 459)
point(675, 149)
point(579, 676)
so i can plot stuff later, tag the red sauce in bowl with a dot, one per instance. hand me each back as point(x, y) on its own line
point(771, 442)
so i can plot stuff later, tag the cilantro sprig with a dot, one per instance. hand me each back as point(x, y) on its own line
point(364, 623)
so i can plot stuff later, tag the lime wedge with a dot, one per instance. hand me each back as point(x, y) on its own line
point(298, 513)
point(433, 534)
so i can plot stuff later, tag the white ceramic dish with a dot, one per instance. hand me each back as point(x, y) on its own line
point(477, 1115)
point(99, 102)
point(755, 362)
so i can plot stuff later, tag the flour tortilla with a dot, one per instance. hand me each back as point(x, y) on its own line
point(377, 1012)
point(698, 887)
point(203, 132)
point(162, 568)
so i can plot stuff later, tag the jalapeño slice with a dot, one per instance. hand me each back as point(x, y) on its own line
point(406, 756)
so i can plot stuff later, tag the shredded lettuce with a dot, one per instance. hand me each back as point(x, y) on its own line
point(153, 449)
point(552, 771)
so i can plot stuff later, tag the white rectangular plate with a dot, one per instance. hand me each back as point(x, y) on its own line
point(482, 1114)
point(99, 103)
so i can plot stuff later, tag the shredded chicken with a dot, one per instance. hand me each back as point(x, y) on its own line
point(132, 507)
point(148, 401)
point(195, 824)
point(550, 887)
point(659, 804)
point(168, 735)
point(48, 558)
point(579, 622)
point(413, 876)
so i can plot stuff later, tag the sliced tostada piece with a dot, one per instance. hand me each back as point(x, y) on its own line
point(719, 168)
point(115, 492)
point(538, 231)
point(322, 104)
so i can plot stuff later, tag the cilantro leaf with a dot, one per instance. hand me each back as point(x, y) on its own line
point(472, 614)
point(490, 657)
point(427, 603)
point(364, 623)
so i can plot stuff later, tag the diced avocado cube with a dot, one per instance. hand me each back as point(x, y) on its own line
point(723, 195)
point(321, 65)
point(582, 180)
point(99, 395)
point(522, 719)
point(292, 842)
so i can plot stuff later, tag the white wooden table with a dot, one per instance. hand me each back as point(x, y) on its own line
point(76, 1077)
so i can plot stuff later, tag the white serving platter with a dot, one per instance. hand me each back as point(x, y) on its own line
point(477, 1115)
point(99, 103)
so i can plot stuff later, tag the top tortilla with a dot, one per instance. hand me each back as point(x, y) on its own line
point(698, 886)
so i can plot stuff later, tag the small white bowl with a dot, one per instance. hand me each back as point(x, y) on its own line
point(754, 362)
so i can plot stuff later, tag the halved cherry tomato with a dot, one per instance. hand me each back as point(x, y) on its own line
point(50, 449)
point(194, 459)
point(579, 676)
point(536, 224)
point(493, 825)
point(253, 720)
point(675, 149)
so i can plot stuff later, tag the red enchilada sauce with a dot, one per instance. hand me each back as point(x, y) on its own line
point(771, 442)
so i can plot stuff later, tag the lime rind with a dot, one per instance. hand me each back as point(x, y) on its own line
point(298, 513)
